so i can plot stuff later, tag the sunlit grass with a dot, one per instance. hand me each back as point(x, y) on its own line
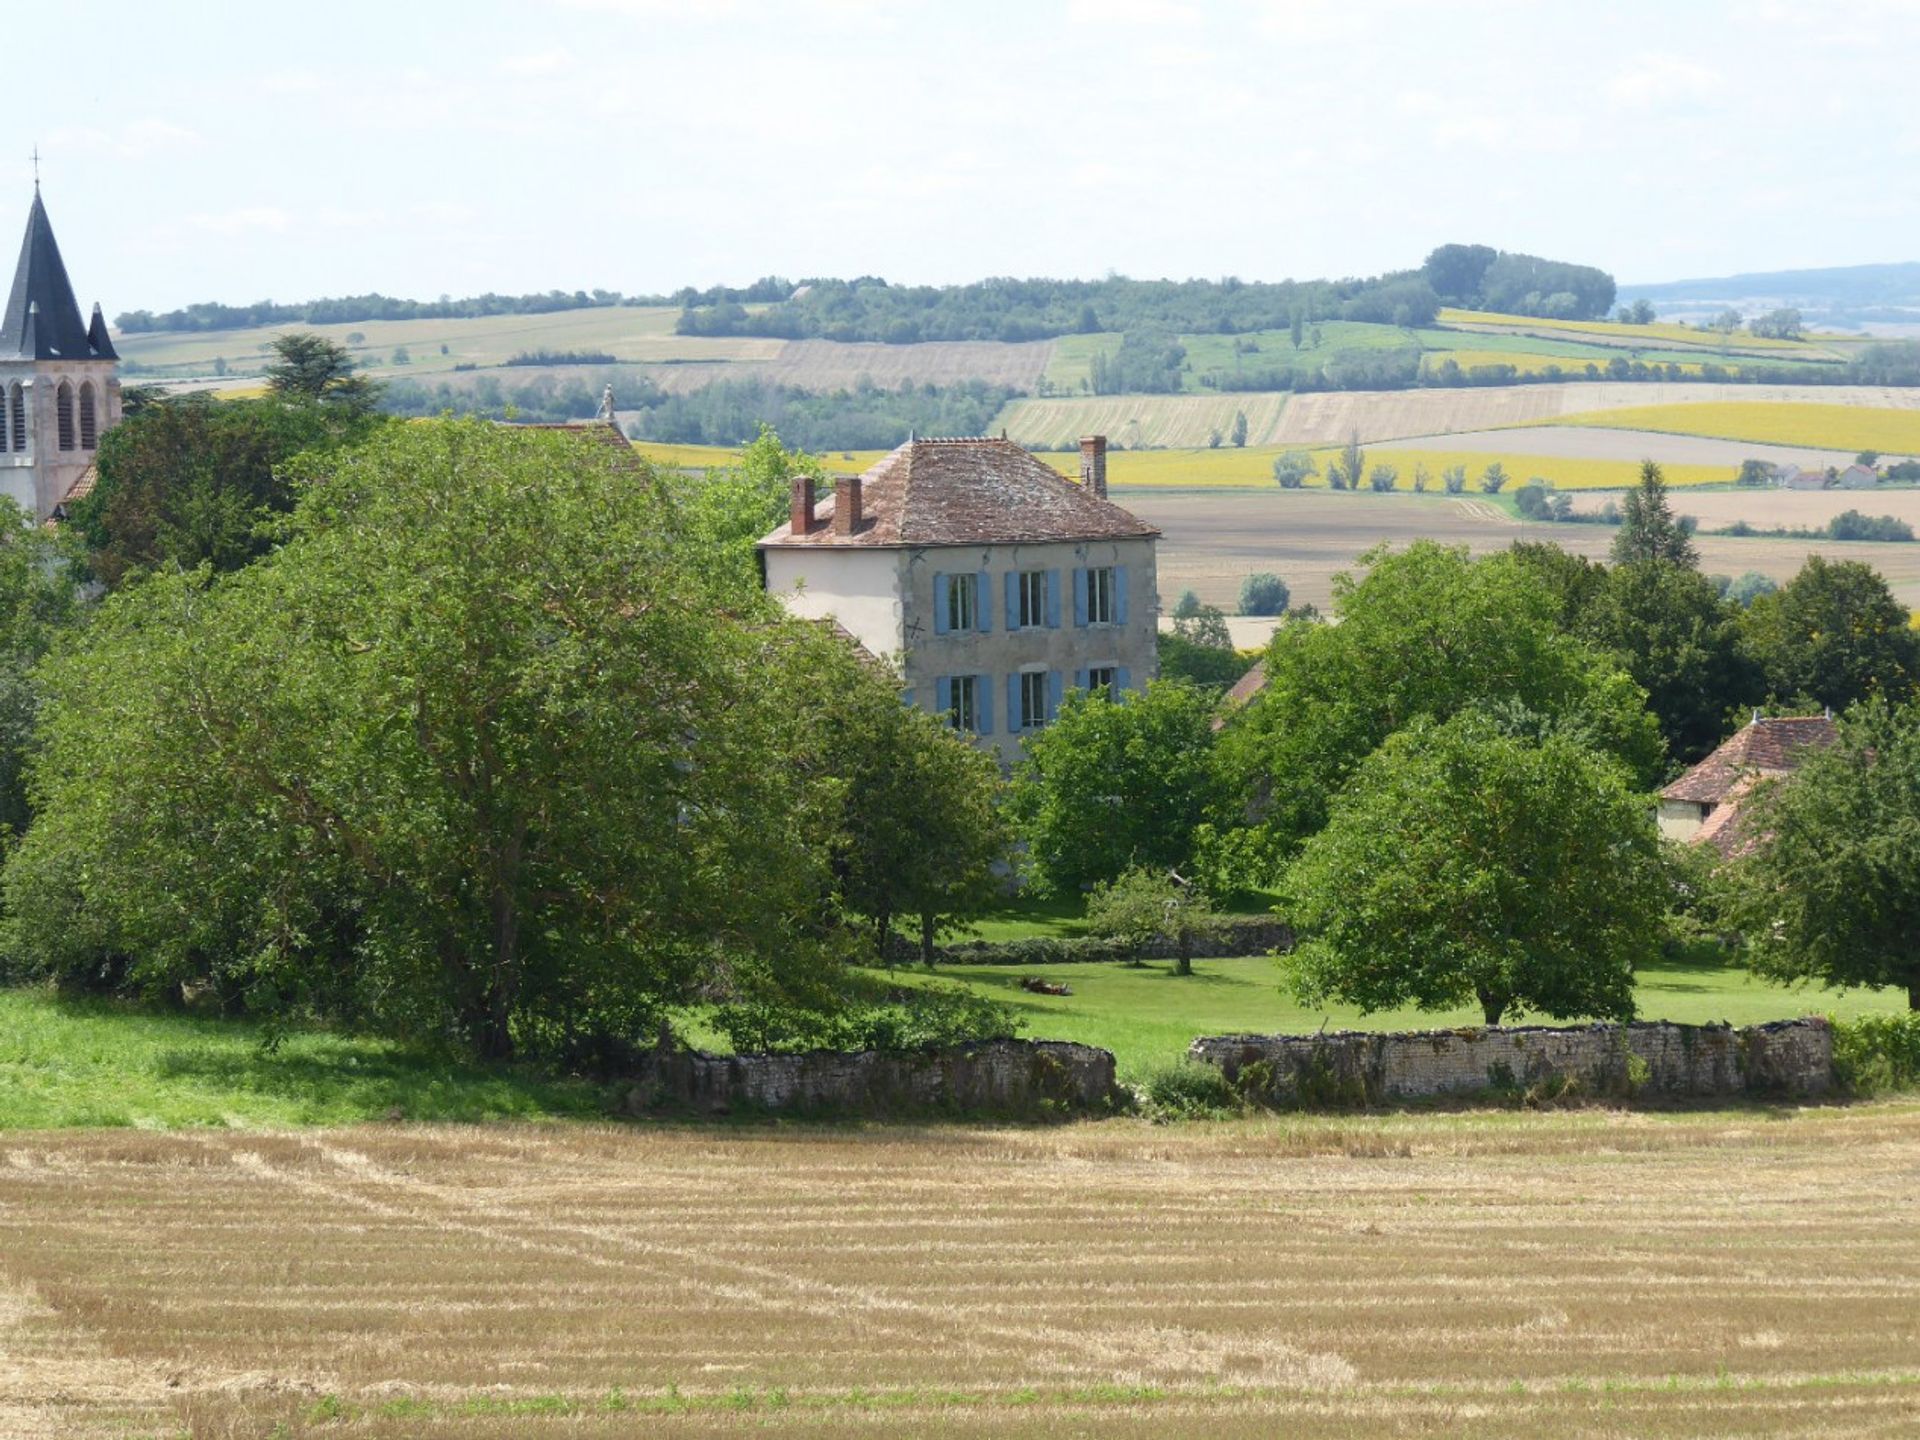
point(1825, 427)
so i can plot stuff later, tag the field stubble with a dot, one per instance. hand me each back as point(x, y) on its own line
point(1598, 1273)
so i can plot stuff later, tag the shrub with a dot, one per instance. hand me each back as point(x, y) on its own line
point(1188, 1090)
point(1264, 594)
point(1877, 1053)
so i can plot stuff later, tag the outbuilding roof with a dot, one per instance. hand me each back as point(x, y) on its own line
point(970, 491)
point(1770, 745)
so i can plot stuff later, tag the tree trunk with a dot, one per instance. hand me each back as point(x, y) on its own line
point(1183, 952)
point(926, 939)
point(1913, 994)
point(882, 933)
point(1492, 1006)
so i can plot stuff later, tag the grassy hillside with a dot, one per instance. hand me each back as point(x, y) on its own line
point(1142, 421)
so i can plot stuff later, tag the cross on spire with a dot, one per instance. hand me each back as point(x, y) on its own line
point(36, 168)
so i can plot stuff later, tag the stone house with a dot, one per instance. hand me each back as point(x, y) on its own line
point(59, 386)
point(1703, 806)
point(1857, 477)
point(987, 580)
point(1793, 477)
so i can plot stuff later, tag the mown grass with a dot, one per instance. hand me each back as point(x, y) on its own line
point(99, 1063)
point(1826, 427)
point(1146, 1015)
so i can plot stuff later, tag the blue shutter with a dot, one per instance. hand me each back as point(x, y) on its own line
point(1080, 598)
point(984, 686)
point(1056, 692)
point(906, 698)
point(983, 588)
point(940, 609)
point(1013, 705)
point(1053, 599)
point(1121, 679)
point(1079, 679)
point(1119, 594)
point(1013, 600)
point(943, 697)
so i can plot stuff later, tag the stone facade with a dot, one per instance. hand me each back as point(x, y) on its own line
point(1002, 1077)
point(1788, 1057)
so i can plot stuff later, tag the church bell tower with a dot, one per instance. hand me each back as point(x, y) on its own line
point(59, 391)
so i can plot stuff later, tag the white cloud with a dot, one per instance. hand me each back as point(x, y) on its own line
point(135, 140)
point(1130, 12)
point(246, 220)
point(540, 62)
point(1661, 77)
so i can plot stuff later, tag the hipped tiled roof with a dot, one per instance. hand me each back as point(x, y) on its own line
point(1771, 745)
point(968, 492)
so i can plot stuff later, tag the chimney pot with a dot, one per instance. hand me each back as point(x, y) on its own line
point(1093, 464)
point(846, 504)
point(800, 518)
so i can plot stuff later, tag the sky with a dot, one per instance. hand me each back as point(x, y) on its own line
point(202, 151)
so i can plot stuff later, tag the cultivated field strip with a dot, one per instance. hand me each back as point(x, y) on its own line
point(1755, 1272)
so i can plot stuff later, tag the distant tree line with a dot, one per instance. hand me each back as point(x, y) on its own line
point(1013, 310)
point(211, 315)
point(726, 412)
point(1478, 277)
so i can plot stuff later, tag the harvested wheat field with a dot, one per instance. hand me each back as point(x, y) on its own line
point(1213, 539)
point(1590, 1273)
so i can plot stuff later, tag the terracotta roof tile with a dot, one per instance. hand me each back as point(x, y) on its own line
point(1771, 745)
point(969, 492)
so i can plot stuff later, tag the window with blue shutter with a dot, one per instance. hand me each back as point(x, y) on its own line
point(1016, 612)
point(941, 600)
point(1053, 599)
point(1080, 598)
point(1119, 594)
point(1123, 680)
point(943, 696)
point(983, 589)
point(1056, 692)
point(1014, 718)
point(985, 684)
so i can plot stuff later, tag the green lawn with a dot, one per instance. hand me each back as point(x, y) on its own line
point(1029, 916)
point(96, 1063)
point(1148, 1015)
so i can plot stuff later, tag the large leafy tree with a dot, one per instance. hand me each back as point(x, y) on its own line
point(923, 827)
point(1830, 889)
point(1649, 531)
point(729, 509)
point(1469, 861)
point(475, 754)
point(1115, 784)
point(1833, 635)
point(200, 481)
point(1425, 633)
point(1681, 643)
point(38, 601)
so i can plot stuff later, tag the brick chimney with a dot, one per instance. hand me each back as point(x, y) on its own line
point(800, 520)
point(1093, 464)
point(846, 504)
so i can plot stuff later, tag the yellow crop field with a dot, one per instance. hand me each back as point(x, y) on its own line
point(1253, 469)
point(1526, 362)
point(1826, 427)
point(1662, 332)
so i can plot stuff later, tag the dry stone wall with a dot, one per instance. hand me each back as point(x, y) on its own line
point(1003, 1077)
point(1789, 1057)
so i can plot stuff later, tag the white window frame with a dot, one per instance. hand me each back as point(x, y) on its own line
point(1101, 589)
point(1035, 698)
point(963, 707)
point(963, 602)
point(1033, 599)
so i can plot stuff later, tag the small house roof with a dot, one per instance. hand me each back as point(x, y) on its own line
point(968, 491)
point(1770, 745)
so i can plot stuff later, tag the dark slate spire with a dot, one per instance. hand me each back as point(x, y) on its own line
point(40, 284)
point(98, 341)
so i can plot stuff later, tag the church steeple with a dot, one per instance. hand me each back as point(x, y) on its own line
point(41, 290)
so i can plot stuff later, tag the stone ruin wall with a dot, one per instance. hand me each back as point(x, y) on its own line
point(1788, 1057)
point(1006, 1077)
